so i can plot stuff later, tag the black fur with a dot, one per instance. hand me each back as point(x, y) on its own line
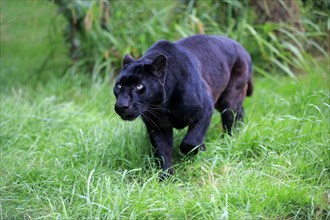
point(174, 85)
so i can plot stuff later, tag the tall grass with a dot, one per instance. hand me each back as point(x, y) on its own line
point(273, 46)
point(65, 154)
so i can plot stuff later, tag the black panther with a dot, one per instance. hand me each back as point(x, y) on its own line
point(178, 84)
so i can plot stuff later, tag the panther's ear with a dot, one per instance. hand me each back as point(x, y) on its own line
point(128, 59)
point(158, 66)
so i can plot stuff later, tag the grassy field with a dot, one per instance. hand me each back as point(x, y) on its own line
point(65, 154)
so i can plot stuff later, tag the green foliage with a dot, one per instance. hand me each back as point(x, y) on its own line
point(65, 154)
point(136, 25)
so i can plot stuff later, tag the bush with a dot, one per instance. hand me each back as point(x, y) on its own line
point(135, 25)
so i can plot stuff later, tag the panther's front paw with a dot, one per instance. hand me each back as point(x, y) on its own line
point(166, 174)
point(191, 149)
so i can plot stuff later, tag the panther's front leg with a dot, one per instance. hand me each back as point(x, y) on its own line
point(162, 142)
point(193, 141)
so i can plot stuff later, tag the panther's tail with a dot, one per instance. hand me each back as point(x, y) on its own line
point(249, 91)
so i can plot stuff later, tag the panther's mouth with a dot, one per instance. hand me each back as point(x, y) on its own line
point(129, 117)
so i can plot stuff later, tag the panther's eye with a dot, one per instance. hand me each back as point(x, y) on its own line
point(119, 86)
point(139, 86)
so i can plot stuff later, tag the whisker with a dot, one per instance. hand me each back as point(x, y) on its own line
point(150, 113)
point(155, 113)
point(147, 118)
point(157, 107)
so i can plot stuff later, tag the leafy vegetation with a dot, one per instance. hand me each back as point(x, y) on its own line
point(65, 154)
point(272, 45)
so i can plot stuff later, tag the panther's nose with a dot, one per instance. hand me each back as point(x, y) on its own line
point(122, 104)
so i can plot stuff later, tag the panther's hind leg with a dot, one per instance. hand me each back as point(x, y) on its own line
point(231, 100)
point(231, 109)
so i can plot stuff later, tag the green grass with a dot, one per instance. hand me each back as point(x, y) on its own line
point(65, 154)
